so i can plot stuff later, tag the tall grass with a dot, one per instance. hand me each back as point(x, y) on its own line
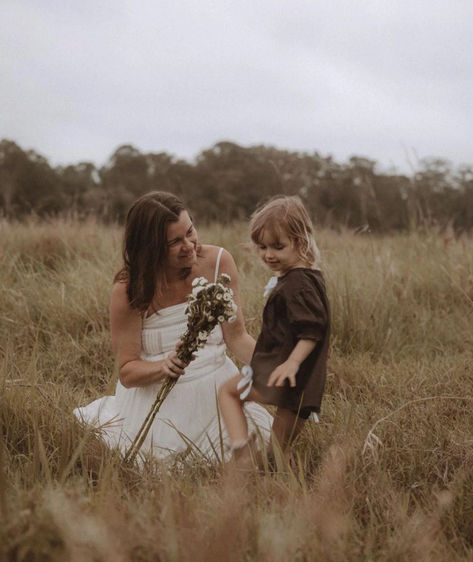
point(386, 475)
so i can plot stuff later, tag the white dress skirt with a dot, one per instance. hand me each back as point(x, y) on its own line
point(188, 419)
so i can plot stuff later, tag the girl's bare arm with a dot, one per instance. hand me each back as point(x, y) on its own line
point(289, 368)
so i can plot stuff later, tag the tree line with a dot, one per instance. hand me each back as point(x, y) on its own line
point(227, 181)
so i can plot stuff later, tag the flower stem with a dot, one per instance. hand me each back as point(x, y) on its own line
point(138, 441)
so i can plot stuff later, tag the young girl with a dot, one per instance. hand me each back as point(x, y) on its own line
point(288, 366)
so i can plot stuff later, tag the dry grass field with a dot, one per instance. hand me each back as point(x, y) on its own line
point(387, 475)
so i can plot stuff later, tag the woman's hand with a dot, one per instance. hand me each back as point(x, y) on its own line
point(172, 366)
point(285, 371)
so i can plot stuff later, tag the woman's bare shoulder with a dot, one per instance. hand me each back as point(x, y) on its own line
point(119, 297)
point(209, 255)
point(208, 251)
point(208, 261)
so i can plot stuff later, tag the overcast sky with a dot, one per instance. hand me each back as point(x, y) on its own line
point(385, 79)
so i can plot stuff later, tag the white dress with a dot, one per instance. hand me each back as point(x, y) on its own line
point(188, 419)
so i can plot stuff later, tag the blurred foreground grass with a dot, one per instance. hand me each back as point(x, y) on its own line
point(386, 475)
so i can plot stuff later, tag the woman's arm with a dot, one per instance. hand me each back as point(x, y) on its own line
point(237, 339)
point(126, 326)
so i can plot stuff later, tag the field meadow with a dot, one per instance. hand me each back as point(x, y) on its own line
point(387, 474)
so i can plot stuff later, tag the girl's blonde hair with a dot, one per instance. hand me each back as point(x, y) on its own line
point(287, 214)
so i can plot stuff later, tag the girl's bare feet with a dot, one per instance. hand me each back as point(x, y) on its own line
point(244, 454)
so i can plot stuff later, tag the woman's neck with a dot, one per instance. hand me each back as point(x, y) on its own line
point(178, 274)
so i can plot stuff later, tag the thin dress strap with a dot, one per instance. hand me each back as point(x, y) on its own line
point(217, 264)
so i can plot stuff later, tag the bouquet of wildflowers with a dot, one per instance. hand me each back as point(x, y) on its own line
point(209, 304)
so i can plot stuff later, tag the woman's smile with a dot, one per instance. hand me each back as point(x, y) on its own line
point(191, 254)
point(182, 242)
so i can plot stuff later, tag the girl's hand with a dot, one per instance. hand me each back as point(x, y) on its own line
point(286, 370)
point(289, 368)
point(172, 366)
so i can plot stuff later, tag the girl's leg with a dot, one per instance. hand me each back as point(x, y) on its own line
point(286, 427)
point(231, 407)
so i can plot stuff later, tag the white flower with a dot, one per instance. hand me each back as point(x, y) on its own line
point(199, 281)
point(227, 297)
point(202, 335)
point(218, 296)
point(210, 318)
point(196, 290)
point(221, 319)
point(225, 278)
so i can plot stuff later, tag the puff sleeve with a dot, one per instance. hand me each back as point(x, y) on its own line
point(307, 314)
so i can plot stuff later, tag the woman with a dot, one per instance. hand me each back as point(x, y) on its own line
point(147, 317)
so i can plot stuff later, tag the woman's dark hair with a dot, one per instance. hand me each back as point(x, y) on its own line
point(145, 246)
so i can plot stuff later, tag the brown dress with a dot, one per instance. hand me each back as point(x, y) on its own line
point(297, 308)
